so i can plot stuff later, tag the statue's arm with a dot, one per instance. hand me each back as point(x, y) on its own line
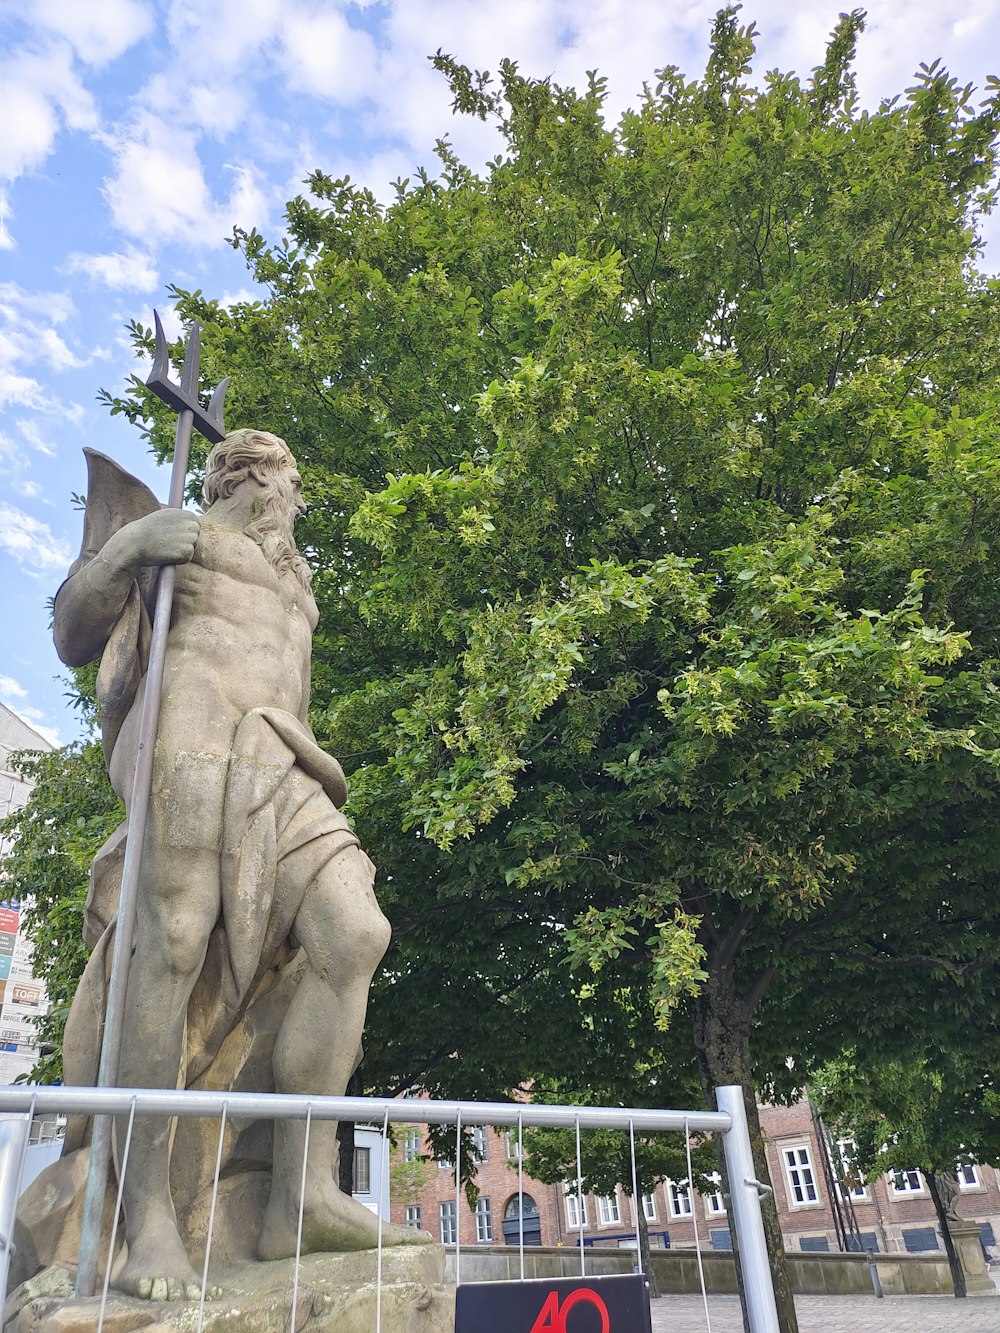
point(89, 603)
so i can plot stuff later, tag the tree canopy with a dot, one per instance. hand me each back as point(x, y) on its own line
point(932, 1113)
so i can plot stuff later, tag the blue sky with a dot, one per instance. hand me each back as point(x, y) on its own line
point(136, 133)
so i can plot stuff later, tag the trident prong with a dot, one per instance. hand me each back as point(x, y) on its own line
point(208, 421)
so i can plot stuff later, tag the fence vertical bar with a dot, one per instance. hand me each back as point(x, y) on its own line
point(520, 1190)
point(579, 1200)
point(211, 1215)
point(302, 1206)
point(762, 1311)
point(383, 1193)
point(118, 1212)
point(458, 1193)
point(13, 1155)
point(636, 1201)
point(694, 1224)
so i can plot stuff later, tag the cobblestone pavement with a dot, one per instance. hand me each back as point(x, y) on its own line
point(838, 1314)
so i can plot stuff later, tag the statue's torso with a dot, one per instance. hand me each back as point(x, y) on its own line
point(240, 638)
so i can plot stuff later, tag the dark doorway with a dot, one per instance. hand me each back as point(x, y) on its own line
point(512, 1221)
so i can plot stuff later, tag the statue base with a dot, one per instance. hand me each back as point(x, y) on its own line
point(336, 1294)
point(965, 1237)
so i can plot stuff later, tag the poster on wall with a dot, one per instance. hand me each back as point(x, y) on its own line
point(22, 997)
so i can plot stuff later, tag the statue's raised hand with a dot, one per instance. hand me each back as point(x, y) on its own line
point(166, 537)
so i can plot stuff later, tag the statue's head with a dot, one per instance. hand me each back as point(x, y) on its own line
point(243, 454)
point(259, 457)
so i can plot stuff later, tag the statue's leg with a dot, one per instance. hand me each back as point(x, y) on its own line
point(344, 935)
point(178, 906)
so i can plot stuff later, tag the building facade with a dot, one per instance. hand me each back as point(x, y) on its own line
point(22, 996)
point(822, 1205)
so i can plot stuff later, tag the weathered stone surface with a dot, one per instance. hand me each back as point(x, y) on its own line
point(257, 930)
point(336, 1294)
point(47, 1229)
point(965, 1236)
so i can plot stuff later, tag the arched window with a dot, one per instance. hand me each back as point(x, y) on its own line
point(521, 1211)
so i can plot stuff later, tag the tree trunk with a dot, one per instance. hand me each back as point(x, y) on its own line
point(722, 1039)
point(954, 1263)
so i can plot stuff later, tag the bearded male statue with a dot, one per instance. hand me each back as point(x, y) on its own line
point(258, 931)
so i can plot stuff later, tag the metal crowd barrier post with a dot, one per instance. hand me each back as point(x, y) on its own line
point(762, 1311)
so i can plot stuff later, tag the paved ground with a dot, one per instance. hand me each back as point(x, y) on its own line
point(838, 1314)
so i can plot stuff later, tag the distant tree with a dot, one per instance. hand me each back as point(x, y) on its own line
point(51, 843)
point(932, 1114)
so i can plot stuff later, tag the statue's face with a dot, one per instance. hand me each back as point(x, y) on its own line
point(288, 485)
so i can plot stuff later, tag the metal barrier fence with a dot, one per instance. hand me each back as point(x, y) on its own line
point(21, 1103)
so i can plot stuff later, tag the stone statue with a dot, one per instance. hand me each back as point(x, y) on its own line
point(258, 931)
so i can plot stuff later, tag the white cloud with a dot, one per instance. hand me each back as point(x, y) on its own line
point(13, 694)
point(6, 240)
point(98, 32)
point(42, 92)
point(244, 296)
point(56, 307)
point(32, 435)
point(158, 190)
point(11, 689)
point(325, 57)
point(30, 542)
point(20, 391)
point(124, 270)
point(216, 39)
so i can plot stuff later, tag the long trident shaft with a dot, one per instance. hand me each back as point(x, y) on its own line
point(209, 423)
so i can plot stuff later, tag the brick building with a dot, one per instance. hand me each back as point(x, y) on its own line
point(892, 1213)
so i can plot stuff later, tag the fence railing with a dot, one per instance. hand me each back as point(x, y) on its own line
point(20, 1104)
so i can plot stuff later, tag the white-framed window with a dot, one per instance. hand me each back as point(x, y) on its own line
point(513, 1147)
point(576, 1211)
point(802, 1189)
point(481, 1141)
point(649, 1207)
point(484, 1220)
point(446, 1220)
point(362, 1177)
point(411, 1215)
point(679, 1198)
point(968, 1176)
point(445, 1163)
point(411, 1144)
point(608, 1212)
point(715, 1204)
point(908, 1181)
point(851, 1183)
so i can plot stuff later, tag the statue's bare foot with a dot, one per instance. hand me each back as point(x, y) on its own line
point(331, 1222)
point(157, 1269)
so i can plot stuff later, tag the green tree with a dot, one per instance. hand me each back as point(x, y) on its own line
point(654, 504)
point(929, 1113)
point(51, 843)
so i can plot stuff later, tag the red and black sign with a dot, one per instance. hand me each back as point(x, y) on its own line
point(562, 1305)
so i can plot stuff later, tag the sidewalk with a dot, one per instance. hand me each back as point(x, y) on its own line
point(839, 1314)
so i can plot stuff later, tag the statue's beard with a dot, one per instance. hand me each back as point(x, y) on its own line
point(272, 530)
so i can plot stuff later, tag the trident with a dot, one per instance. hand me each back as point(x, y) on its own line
point(183, 398)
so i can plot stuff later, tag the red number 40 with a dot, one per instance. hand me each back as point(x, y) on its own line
point(552, 1315)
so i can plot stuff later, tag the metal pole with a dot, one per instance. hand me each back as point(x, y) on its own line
point(100, 1153)
point(761, 1308)
point(15, 1134)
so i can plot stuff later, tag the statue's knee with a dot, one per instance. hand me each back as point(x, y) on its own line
point(368, 941)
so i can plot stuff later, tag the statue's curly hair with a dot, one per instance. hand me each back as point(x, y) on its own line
point(242, 454)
